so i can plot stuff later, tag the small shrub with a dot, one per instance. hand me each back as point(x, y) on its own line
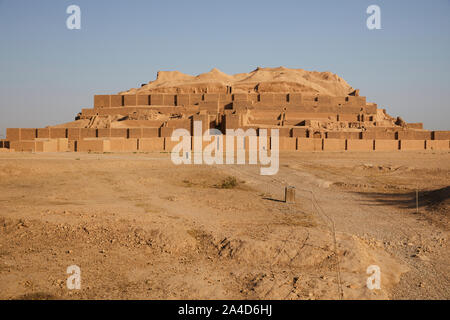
point(228, 183)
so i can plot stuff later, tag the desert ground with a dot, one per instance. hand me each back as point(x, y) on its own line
point(140, 227)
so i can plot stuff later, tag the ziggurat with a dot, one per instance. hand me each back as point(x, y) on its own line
point(313, 111)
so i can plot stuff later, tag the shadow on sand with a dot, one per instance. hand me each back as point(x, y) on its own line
point(432, 199)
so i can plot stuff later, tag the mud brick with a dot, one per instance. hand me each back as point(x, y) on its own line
point(28, 133)
point(386, 145)
point(412, 144)
point(266, 98)
point(56, 133)
point(119, 133)
point(150, 132)
point(359, 145)
point(151, 144)
point(88, 133)
point(143, 100)
point(240, 96)
point(116, 101)
point(43, 133)
point(74, 133)
point(104, 132)
point(183, 100)
point(13, 134)
point(299, 132)
point(285, 143)
point(156, 99)
point(437, 144)
point(93, 145)
point(101, 101)
point(295, 98)
point(129, 100)
point(333, 144)
point(165, 132)
point(441, 135)
point(169, 99)
point(309, 144)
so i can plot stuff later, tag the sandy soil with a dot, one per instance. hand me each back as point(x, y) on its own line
point(140, 227)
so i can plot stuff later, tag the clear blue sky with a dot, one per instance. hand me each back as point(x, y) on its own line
point(48, 73)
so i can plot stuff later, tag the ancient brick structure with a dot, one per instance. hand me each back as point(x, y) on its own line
point(307, 119)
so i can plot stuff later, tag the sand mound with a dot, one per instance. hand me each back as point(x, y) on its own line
point(259, 80)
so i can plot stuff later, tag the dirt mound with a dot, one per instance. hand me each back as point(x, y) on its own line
point(259, 80)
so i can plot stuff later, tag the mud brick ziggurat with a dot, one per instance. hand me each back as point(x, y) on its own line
point(313, 111)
